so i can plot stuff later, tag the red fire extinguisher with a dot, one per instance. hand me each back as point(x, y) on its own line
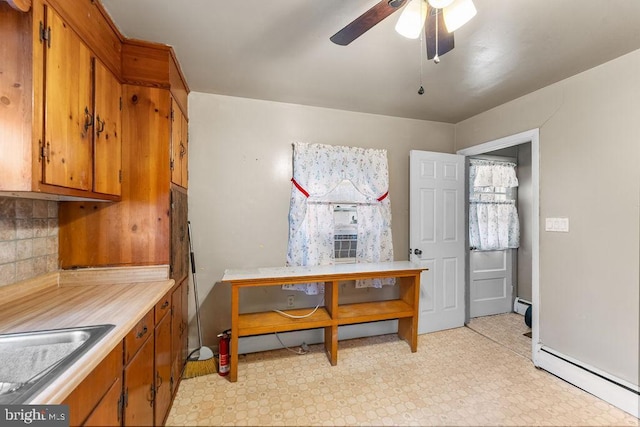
point(223, 358)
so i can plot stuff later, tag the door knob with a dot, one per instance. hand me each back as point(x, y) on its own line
point(417, 251)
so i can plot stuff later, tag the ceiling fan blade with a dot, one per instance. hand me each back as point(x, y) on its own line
point(366, 21)
point(445, 39)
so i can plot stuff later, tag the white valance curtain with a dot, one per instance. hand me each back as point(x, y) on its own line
point(493, 219)
point(318, 169)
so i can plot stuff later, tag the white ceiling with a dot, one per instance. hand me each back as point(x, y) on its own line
point(280, 50)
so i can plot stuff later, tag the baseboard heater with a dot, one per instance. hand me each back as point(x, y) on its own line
point(592, 372)
point(520, 305)
point(614, 390)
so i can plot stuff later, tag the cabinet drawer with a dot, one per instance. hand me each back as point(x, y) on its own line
point(137, 336)
point(90, 392)
point(163, 307)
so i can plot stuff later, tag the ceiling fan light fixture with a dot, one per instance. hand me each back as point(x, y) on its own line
point(458, 13)
point(412, 19)
point(440, 4)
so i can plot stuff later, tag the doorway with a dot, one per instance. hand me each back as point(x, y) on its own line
point(525, 260)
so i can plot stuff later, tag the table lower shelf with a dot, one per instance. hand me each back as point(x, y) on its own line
point(269, 321)
point(373, 311)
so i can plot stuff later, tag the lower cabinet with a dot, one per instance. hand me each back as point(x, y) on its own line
point(139, 390)
point(109, 411)
point(135, 384)
point(97, 400)
point(179, 332)
point(163, 391)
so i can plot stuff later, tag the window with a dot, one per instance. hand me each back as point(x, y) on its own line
point(345, 233)
point(493, 217)
point(320, 174)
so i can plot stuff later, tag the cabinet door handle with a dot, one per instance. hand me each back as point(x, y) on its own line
point(88, 121)
point(165, 305)
point(101, 124)
point(158, 380)
point(152, 395)
point(142, 332)
point(183, 150)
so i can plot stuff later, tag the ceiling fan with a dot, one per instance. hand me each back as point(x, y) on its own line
point(440, 18)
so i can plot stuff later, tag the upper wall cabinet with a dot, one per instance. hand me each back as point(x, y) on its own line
point(107, 131)
point(52, 85)
point(179, 146)
point(66, 150)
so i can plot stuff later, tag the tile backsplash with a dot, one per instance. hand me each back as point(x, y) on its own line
point(28, 238)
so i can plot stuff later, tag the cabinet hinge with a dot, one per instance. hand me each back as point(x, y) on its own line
point(120, 176)
point(171, 162)
point(44, 151)
point(120, 103)
point(172, 114)
point(45, 34)
point(125, 398)
point(120, 406)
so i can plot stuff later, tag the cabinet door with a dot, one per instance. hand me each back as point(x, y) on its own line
point(184, 344)
point(68, 108)
point(108, 126)
point(176, 337)
point(163, 369)
point(184, 152)
point(107, 413)
point(138, 387)
point(179, 237)
point(178, 145)
point(176, 131)
point(89, 393)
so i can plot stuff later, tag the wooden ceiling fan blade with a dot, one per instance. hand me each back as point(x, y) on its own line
point(445, 39)
point(366, 21)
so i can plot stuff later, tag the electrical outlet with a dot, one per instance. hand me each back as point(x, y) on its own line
point(290, 301)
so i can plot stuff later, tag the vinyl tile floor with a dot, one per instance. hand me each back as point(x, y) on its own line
point(457, 377)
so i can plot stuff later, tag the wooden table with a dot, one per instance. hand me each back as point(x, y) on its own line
point(333, 314)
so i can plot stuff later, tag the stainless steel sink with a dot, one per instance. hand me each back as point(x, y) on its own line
point(29, 361)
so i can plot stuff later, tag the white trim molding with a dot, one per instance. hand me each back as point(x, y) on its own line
point(532, 136)
point(607, 387)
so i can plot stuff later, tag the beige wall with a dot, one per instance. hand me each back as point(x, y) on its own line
point(240, 169)
point(589, 172)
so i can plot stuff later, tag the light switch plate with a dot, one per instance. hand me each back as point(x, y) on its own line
point(557, 224)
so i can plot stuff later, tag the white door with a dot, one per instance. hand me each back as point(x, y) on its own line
point(491, 287)
point(437, 237)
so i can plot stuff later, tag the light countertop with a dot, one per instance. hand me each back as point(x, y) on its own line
point(319, 271)
point(94, 297)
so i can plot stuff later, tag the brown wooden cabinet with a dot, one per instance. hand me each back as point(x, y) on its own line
point(162, 361)
point(139, 375)
point(149, 225)
point(109, 411)
point(66, 150)
point(48, 134)
point(97, 400)
point(179, 331)
point(179, 146)
point(107, 131)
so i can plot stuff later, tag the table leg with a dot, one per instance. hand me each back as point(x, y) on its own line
point(233, 348)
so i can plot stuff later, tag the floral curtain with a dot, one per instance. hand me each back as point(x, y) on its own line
point(317, 170)
point(493, 219)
